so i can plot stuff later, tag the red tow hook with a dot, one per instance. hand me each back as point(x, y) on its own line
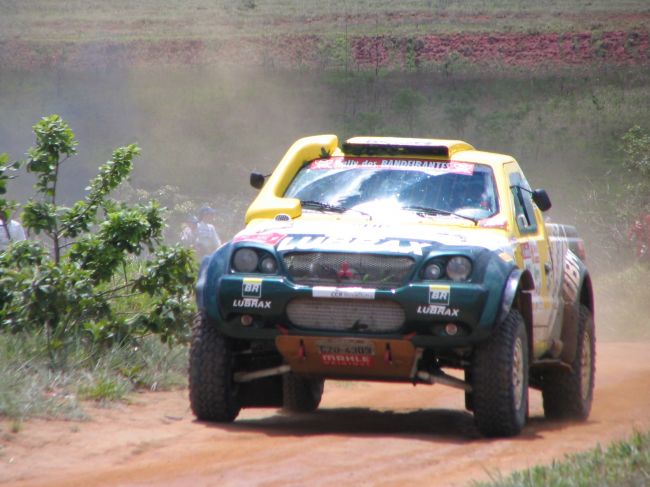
point(302, 354)
point(388, 356)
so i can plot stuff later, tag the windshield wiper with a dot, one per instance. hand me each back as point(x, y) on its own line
point(320, 206)
point(437, 211)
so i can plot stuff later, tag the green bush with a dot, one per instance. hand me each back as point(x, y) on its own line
point(70, 283)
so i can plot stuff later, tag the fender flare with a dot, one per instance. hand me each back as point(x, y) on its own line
point(509, 294)
point(212, 268)
point(517, 282)
point(583, 295)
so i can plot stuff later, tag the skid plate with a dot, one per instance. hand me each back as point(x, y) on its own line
point(348, 357)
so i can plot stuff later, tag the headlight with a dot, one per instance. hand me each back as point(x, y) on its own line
point(433, 271)
point(268, 265)
point(245, 260)
point(459, 268)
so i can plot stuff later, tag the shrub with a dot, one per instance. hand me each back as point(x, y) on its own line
point(66, 283)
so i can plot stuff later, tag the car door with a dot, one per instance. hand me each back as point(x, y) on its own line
point(532, 253)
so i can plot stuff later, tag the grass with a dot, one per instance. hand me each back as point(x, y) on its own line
point(621, 464)
point(29, 388)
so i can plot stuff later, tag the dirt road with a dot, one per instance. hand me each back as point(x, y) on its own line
point(364, 434)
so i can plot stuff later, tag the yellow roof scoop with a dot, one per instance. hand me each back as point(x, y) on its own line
point(404, 146)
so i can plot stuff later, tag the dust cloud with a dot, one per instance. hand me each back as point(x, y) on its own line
point(203, 129)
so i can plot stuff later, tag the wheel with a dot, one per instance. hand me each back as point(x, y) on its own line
point(469, 398)
point(301, 394)
point(500, 379)
point(214, 396)
point(567, 394)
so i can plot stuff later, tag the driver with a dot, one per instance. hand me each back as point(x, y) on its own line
point(473, 195)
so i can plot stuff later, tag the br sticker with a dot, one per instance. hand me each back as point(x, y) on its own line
point(251, 287)
point(439, 294)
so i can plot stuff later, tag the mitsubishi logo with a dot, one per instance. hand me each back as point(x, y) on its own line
point(344, 271)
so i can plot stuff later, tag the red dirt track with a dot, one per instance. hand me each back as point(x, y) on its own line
point(363, 434)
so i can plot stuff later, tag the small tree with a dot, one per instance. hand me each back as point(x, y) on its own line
point(77, 284)
point(408, 104)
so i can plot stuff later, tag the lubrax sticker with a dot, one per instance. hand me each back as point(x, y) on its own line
point(253, 303)
point(434, 309)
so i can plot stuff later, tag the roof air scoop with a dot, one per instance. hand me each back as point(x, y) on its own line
point(403, 146)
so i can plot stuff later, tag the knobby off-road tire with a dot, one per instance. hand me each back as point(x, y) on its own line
point(568, 394)
point(213, 394)
point(469, 398)
point(301, 394)
point(500, 379)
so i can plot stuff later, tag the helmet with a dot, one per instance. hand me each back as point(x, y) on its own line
point(206, 210)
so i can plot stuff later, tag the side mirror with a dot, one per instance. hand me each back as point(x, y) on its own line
point(541, 199)
point(257, 180)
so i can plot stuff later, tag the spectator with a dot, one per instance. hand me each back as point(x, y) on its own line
point(207, 239)
point(189, 232)
point(639, 233)
point(12, 232)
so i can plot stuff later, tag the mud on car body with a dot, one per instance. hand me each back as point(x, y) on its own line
point(396, 259)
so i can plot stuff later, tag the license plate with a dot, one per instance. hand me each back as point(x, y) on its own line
point(346, 352)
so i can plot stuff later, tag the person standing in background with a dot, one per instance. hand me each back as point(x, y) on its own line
point(189, 232)
point(639, 234)
point(10, 232)
point(207, 239)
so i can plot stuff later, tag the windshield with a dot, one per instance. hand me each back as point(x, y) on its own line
point(360, 183)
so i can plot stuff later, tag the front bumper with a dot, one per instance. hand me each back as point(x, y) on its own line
point(426, 309)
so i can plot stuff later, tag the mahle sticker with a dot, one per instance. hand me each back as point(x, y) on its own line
point(439, 294)
point(251, 287)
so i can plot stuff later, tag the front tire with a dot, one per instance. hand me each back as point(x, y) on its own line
point(568, 394)
point(214, 396)
point(301, 394)
point(500, 379)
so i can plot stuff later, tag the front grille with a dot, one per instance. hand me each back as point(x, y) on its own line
point(346, 314)
point(317, 268)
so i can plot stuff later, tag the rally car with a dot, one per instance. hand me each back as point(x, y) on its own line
point(420, 261)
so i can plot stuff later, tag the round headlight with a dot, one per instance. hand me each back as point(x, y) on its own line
point(459, 268)
point(433, 271)
point(245, 260)
point(268, 265)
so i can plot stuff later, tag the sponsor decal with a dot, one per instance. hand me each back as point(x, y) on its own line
point(350, 353)
point(571, 277)
point(525, 251)
point(343, 292)
point(324, 242)
point(342, 359)
point(346, 346)
point(251, 303)
point(457, 167)
point(439, 294)
point(270, 238)
point(251, 287)
point(532, 262)
point(438, 310)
